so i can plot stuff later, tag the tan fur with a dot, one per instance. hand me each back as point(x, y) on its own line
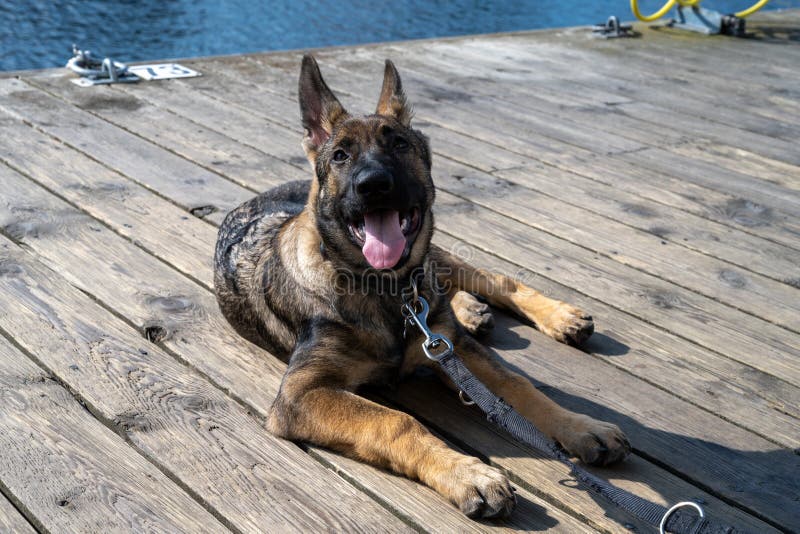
point(557, 319)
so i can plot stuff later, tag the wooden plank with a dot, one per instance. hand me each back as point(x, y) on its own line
point(69, 472)
point(410, 498)
point(657, 251)
point(252, 165)
point(108, 196)
point(472, 60)
point(198, 333)
point(11, 521)
point(753, 165)
point(531, 129)
point(734, 247)
point(183, 97)
point(658, 70)
point(708, 57)
point(573, 60)
point(724, 207)
point(173, 415)
point(708, 175)
point(515, 93)
point(117, 149)
point(523, 93)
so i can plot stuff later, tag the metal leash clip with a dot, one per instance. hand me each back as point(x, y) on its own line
point(419, 318)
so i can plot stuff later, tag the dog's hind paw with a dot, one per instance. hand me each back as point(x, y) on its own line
point(475, 316)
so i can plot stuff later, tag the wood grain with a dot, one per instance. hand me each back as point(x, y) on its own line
point(11, 521)
point(69, 471)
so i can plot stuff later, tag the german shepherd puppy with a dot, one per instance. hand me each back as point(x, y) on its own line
point(314, 272)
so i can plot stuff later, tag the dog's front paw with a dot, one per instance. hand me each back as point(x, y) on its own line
point(475, 316)
point(594, 442)
point(567, 324)
point(480, 490)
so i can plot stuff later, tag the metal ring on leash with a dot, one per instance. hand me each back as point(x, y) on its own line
point(464, 401)
point(663, 524)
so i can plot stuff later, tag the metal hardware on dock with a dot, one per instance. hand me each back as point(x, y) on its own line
point(613, 29)
point(708, 21)
point(96, 71)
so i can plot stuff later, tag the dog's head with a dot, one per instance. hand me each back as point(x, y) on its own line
point(372, 193)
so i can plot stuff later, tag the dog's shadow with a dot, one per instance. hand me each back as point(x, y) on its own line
point(672, 464)
point(503, 337)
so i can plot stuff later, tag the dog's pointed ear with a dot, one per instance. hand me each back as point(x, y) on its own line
point(393, 100)
point(318, 105)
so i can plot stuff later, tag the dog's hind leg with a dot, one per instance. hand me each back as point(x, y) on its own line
point(315, 404)
point(557, 319)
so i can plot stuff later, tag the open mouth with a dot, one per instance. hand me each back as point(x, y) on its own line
point(385, 235)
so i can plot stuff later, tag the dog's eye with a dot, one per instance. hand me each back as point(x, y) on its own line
point(400, 143)
point(340, 156)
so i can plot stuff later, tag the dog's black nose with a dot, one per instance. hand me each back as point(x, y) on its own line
point(374, 182)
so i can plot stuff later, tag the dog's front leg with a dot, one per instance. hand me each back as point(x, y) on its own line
point(595, 442)
point(315, 405)
point(555, 318)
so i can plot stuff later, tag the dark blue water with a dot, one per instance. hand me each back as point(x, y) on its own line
point(40, 33)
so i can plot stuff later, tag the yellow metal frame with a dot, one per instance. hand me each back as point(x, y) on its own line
point(670, 3)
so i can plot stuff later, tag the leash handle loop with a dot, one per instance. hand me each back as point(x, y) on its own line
point(662, 527)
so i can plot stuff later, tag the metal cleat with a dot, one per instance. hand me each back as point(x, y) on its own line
point(612, 29)
point(96, 72)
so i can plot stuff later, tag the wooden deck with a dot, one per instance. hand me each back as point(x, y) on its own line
point(654, 182)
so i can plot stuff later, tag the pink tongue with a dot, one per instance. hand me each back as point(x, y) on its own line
point(385, 242)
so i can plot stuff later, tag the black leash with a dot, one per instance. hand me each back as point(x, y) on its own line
point(438, 348)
